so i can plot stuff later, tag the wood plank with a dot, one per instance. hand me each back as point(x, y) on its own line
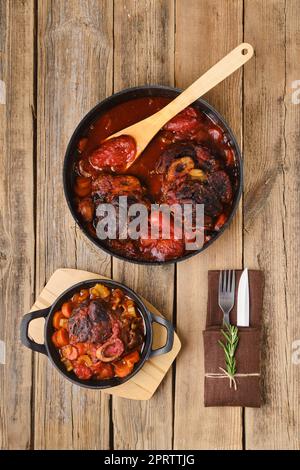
point(272, 212)
point(144, 49)
point(210, 29)
point(16, 216)
point(74, 73)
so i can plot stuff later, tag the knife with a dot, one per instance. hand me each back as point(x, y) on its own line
point(243, 300)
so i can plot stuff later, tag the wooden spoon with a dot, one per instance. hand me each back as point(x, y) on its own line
point(144, 131)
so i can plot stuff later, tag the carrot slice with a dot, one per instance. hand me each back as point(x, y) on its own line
point(82, 191)
point(56, 319)
point(54, 339)
point(123, 368)
point(62, 337)
point(81, 348)
point(67, 309)
point(85, 359)
point(132, 358)
point(102, 371)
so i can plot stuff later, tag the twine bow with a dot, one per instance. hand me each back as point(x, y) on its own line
point(225, 374)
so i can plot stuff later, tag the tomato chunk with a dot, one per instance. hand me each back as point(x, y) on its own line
point(115, 153)
point(85, 359)
point(103, 371)
point(83, 372)
point(81, 348)
point(70, 352)
point(132, 358)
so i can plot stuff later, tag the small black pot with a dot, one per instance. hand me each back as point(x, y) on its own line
point(49, 349)
point(111, 102)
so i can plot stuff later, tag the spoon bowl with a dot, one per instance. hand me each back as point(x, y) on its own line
point(144, 131)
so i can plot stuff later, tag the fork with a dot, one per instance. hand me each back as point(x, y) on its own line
point(226, 293)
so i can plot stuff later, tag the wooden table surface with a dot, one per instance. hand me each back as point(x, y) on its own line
point(58, 59)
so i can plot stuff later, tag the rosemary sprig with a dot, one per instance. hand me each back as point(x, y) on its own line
point(232, 339)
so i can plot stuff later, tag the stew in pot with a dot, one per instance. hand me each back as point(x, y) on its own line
point(99, 333)
point(191, 160)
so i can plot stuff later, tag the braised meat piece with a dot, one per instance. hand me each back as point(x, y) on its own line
point(205, 160)
point(86, 209)
point(192, 175)
point(192, 191)
point(107, 187)
point(79, 325)
point(90, 322)
point(173, 152)
point(132, 198)
point(97, 311)
point(221, 184)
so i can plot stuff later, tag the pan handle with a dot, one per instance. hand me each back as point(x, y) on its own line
point(29, 343)
point(170, 335)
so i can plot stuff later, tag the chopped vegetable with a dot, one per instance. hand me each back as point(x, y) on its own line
point(63, 323)
point(198, 174)
point(56, 319)
point(83, 372)
point(220, 221)
point(86, 209)
point(82, 144)
point(81, 348)
point(123, 368)
point(85, 359)
point(99, 290)
point(68, 364)
point(82, 191)
point(70, 352)
point(81, 296)
point(54, 340)
point(67, 309)
point(62, 337)
point(103, 371)
point(132, 358)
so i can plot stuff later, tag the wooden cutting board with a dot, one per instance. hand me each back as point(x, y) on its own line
point(143, 385)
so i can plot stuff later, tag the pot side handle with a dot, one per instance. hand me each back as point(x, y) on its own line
point(170, 335)
point(26, 341)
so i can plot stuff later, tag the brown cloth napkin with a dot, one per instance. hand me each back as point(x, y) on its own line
point(217, 391)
